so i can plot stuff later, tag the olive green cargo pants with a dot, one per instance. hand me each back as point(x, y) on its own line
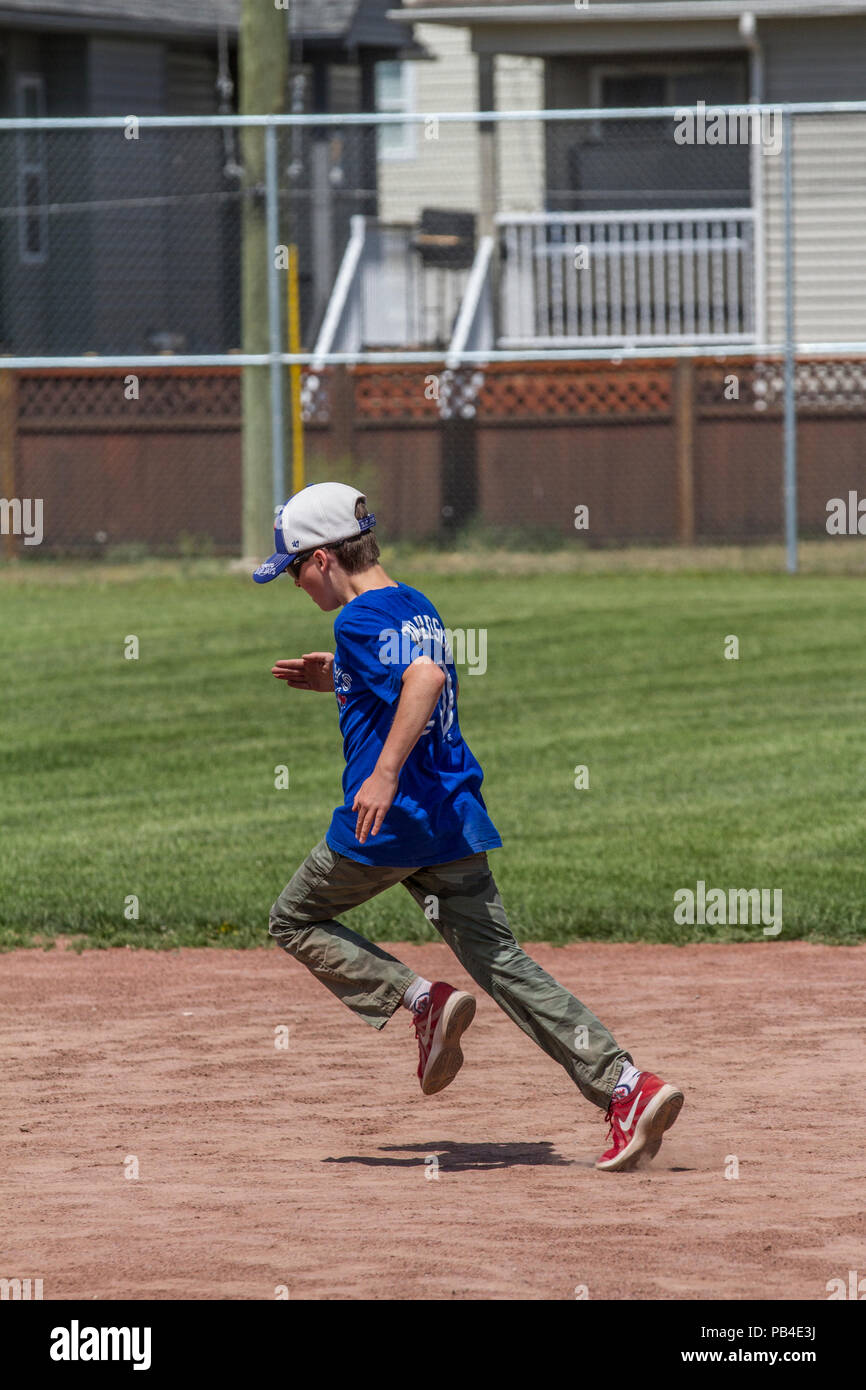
point(463, 903)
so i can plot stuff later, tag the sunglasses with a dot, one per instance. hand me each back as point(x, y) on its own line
point(294, 566)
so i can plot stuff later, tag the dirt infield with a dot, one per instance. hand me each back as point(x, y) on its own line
point(309, 1166)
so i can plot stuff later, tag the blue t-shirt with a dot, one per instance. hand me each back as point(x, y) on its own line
point(438, 813)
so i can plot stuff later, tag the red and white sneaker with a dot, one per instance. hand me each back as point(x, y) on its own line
point(438, 1031)
point(638, 1122)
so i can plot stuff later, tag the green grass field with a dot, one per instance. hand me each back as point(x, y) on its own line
point(155, 777)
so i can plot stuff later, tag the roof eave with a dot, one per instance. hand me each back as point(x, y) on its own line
point(96, 24)
point(627, 12)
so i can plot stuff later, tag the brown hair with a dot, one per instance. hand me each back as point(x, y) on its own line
point(359, 552)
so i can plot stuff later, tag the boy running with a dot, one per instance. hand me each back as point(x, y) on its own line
point(413, 813)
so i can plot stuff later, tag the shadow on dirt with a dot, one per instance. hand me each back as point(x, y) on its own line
point(460, 1157)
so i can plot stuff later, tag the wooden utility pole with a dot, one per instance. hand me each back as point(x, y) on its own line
point(262, 72)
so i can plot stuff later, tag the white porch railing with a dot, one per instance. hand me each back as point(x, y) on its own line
point(386, 297)
point(593, 279)
point(473, 330)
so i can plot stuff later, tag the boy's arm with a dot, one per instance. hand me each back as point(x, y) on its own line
point(312, 671)
point(422, 686)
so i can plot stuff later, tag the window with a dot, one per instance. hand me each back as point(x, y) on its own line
point(674, 83)
point(30, 152)
point(634, 165)
point(395, 91)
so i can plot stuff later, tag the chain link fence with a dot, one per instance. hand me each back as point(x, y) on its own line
point(119, 246)
point(585, 325)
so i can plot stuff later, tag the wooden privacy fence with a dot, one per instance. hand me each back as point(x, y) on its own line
point(667, 450)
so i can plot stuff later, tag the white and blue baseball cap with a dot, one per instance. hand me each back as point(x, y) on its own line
point(320, 514)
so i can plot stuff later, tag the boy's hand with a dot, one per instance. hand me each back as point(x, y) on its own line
point(312, 671)
point(372, 801)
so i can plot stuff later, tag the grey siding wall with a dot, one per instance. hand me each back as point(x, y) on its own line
point(127, 230)
point(815, 60)
point(159, 243)
point(829, 221)
point(141, 238)
point(64, 285)
point(32, 295)
point(203, 214)
point(125, 76)
point(823, 60)
point(22, 300)
point(190, 82)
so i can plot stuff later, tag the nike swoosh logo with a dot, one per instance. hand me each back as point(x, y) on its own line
point(627, 1123)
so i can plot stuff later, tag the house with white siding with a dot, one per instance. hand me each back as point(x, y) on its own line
point(416, 162)
point(636, 231)
point(409, 282)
